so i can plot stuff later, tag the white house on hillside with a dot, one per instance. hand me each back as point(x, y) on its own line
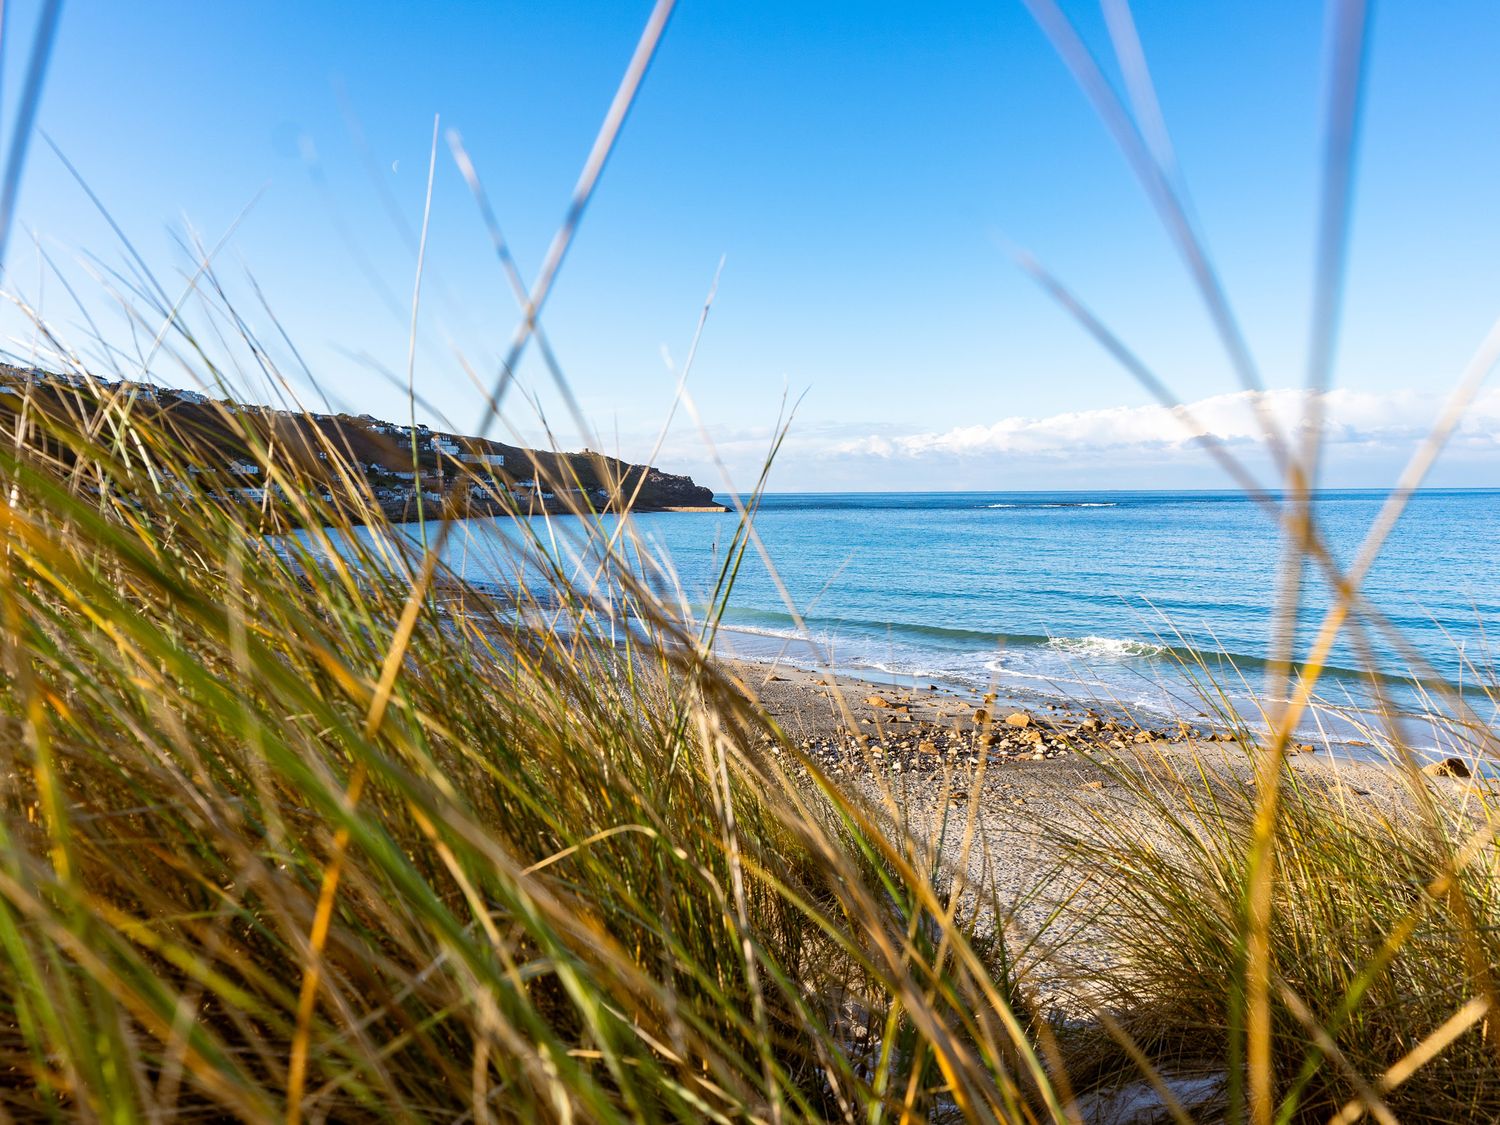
point(494, 460)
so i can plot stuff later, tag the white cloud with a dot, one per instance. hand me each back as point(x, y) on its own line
point(1369, 437)
point(1384, 419)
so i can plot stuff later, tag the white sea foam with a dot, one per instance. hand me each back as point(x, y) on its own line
point(1063, 504)
point(1105, 646)
point(1001, 668)
point(780, 633)
point(787, 634)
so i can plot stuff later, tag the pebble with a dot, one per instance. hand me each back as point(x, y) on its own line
point(932, 751)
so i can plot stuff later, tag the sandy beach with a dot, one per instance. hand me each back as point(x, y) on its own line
point(989, 786)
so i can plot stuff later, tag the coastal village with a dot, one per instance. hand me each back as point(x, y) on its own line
point(404, 467)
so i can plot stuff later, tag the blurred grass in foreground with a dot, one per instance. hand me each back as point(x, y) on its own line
point(303, 828)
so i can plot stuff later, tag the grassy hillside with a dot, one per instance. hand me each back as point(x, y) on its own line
point(236, 447)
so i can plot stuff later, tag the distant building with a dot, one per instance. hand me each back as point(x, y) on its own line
point(244, 468)
point(493, 460)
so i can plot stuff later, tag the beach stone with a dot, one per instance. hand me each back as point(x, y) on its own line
point(927, 746)
point(877, 701)
point(981, 717)
point(1018, 719)
point(1448, 767)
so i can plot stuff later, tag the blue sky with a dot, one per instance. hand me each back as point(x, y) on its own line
point(859, 168)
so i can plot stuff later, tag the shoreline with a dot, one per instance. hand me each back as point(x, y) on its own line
point(1341, 731)
point(836, 714)
point(987, 798)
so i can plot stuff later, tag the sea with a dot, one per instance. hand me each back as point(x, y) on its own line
point(1158, 603)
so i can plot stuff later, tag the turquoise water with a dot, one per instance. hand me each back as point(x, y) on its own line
point(1098, 595)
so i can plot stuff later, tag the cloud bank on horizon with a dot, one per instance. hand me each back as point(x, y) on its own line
point(1368, 435)
point(1383, 420)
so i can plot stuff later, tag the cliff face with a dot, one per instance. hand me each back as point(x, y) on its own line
point(679, 491)
point(476, 475)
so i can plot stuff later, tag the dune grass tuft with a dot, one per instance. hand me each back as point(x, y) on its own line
point(297, 824)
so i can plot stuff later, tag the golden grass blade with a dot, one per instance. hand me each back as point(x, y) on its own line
point(1430, 1048)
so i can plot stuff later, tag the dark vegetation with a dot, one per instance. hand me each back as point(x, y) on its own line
point(462, 475)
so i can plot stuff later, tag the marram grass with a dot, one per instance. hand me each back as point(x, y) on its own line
point(301, 827)
point(298, 825)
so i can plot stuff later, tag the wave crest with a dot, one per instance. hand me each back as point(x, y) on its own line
point(1061, 504)
point(1115, 647)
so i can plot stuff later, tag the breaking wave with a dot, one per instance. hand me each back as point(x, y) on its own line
point(1115, 647)
point(1062, 504)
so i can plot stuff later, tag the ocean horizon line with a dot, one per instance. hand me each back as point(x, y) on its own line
point(1237, 492)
